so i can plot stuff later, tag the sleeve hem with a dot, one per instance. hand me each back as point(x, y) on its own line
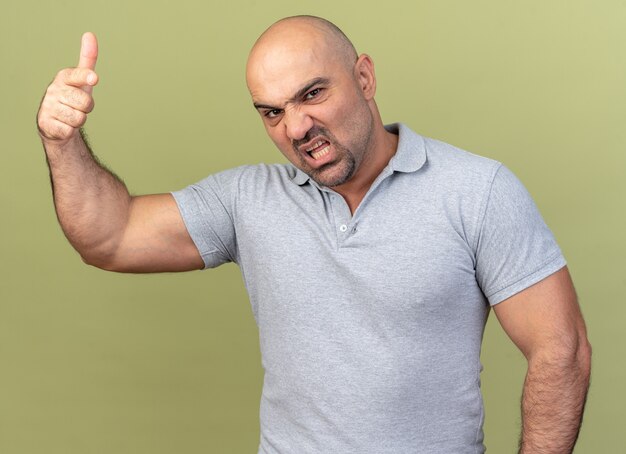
point(554, 264)
point(197, 239)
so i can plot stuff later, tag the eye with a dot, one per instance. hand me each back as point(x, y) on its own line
point(313, 93)
point(272, 113)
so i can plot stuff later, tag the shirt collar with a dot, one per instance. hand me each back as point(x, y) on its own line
point(411, 152)
point(410, 155)
point(300, 177)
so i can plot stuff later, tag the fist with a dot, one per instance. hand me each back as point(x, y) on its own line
point(69, 99)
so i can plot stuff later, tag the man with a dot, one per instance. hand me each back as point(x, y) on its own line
point(371, 262)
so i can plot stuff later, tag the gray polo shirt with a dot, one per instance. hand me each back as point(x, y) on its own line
point(370, 324)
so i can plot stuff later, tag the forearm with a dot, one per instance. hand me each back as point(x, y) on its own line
point(109, 228)
point(92, 204)
point(553, 402)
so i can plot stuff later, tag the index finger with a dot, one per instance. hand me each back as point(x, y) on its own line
point(88, 51)
point(78, 77)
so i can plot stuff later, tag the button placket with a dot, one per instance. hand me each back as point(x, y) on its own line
point(342, 216)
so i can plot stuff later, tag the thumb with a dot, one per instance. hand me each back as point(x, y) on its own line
point(88, 51)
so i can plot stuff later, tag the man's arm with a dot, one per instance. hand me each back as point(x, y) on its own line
point(105, 224)
point(546, 324)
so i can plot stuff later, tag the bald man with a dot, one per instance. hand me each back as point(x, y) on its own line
point(372, 260)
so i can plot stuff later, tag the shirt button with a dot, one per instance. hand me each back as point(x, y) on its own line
point(343, 227)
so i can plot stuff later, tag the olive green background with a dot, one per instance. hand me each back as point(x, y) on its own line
point(96, 362)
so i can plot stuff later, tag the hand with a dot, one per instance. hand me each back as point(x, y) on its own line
point(68, 99)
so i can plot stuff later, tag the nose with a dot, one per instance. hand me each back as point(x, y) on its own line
point(297, 123)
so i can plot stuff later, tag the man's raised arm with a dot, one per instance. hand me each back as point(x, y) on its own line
point(108, 227)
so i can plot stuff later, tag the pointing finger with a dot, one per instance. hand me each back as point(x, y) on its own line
point(88, 51)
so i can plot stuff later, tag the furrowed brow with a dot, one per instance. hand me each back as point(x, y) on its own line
point(312, 83)
point(265, 106)
point(299, 94)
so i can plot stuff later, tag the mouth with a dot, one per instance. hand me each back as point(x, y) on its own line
point(318, 150)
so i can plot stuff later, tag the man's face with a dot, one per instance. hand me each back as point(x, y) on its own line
point(312, 109)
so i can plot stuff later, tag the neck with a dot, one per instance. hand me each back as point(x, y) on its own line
point(382, 149)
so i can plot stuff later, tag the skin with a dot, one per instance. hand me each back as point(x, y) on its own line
point(546, 324)
point(309, 86)
point(107, 226)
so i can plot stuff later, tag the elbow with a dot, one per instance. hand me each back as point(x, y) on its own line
point(579, 354)
point(102, 258)
point(97, 261)
point(567, 357)
point(579, 358)
point(584, 357)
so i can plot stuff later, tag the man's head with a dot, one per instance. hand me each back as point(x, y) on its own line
point(315, 97)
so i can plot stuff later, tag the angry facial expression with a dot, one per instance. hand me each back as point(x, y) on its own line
point(313, 110)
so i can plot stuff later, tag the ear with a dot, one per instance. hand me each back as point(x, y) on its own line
point(365, 76)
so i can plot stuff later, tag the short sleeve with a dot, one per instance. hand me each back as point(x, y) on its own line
point(206, 212)
point(515, 249)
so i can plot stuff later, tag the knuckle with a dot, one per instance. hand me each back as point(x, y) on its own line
point(84, 101)
point(63, 74)
point(42, 124)
point(58, 111)
point(79, 119)
point(62, 131)
point(51, 91)
point(72, 76)
point(72, 117)
point(77, 99)
point(54, 130)
point(64, 114)
point(69, 96)
point(90, 105)
point(44, 112)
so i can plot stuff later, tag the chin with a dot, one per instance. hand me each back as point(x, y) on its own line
point(330, 177)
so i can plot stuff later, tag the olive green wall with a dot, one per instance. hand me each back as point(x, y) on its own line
point(93, 362)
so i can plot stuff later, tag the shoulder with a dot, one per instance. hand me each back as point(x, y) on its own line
point(457, 164)
point(490, 190)
point(247, 178)
point(443, 163)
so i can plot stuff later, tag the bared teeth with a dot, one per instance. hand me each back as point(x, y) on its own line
point(323, 152)
point(319, 143)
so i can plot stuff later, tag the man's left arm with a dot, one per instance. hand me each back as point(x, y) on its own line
point(546, 324)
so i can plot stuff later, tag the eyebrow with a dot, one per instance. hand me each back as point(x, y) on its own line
point(299, 94)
